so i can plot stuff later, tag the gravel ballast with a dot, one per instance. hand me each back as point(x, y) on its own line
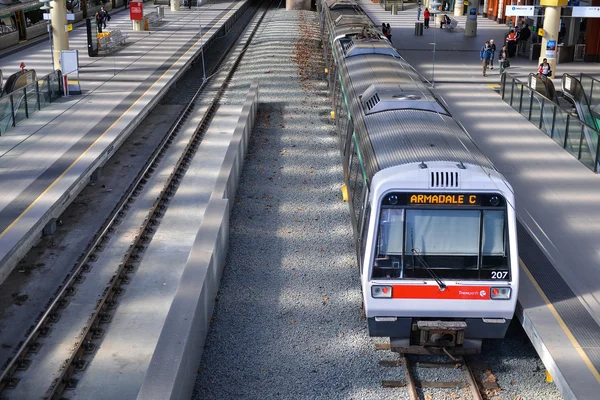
point(287, 322)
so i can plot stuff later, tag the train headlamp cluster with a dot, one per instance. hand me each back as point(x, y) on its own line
point(500, 293)
point(381, 292)
point(494, 200)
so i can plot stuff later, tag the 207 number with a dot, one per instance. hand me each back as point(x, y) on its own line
point(499, 274)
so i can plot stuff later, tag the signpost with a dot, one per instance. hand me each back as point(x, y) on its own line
point(136, 11)
point(519, 11)
point(586, 12)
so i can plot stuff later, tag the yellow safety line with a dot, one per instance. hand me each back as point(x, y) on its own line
point(562, 323)
point(100, 137)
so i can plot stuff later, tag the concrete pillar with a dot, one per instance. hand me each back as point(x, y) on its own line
point(471, 23)
point(58, 23)
point(592, 37)
point(485, 8)
point(175, 5)
point(138, 25)
point(458, 8)
point(500, 11)
point(551, 27)
point(297, 5)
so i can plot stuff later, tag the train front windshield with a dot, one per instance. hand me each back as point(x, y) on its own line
point(453, 243)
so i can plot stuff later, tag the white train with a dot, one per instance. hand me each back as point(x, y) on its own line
point(434, 222)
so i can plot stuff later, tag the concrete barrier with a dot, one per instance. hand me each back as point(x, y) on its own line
point(174, 365)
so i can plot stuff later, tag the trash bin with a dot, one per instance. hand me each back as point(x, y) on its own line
point(394, 9)
point(418, 28)
point(160, 11)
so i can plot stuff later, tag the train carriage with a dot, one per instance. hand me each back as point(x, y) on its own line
point(434, 222)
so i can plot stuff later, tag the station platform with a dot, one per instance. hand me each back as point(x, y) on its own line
point(46, 160)
point(556, 196)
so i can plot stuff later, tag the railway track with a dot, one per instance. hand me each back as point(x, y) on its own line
point(468, 383)
point(82, 350)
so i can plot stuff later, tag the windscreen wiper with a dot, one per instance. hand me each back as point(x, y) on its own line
point(439, 282)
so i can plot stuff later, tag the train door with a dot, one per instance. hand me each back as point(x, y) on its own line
point(21, 24)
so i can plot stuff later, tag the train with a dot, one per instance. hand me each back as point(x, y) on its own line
point(434, 222)
point(21, 22)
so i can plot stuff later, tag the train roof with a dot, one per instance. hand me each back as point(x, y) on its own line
point(412, 136)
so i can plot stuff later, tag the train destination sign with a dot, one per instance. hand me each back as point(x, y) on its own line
point(468, 199)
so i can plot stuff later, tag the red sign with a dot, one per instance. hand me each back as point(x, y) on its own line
point(136, 11)
point(434, 292)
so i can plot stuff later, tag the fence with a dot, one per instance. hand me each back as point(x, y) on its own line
point(24, 102)
point(565, 128)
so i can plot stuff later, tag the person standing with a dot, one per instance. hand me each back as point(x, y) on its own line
point(493, 47)
point(426, 17)
point(485, 54)
point(419, 11)
point(511, 43)
point(503, 59)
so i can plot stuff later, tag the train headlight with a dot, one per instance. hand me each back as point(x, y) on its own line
point(500, 293)
point(494, 200)
point(381, 291)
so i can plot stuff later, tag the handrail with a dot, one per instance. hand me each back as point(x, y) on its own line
point(575, 136)
point(25, 101)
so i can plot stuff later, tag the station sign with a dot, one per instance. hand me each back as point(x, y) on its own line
point(519, 11)
point(136, 11)
point(586, 12)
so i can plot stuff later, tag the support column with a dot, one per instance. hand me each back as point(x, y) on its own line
point(592, 38)
point(297, 5)
point(458, 8)
point(485, 8)
point(551, 27)
point(60, 38)
point(500, 14)
point(175, 5)
point(471, 23)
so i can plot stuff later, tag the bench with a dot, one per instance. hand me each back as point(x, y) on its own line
point(153, 17)
point(108, 43)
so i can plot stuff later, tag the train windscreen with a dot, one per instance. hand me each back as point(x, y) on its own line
point(450, 243)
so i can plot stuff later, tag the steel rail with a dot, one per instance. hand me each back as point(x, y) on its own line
point(19, 361)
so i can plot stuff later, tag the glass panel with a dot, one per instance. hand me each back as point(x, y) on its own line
point(391, 232)
point(19, 104)
point(536, 109)
point(443, 232)
point(44, 96)
point(32, 98)
point(5, 114)
point(547, 117)
point(560, 128)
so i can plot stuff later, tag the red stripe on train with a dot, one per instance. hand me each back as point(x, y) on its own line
point(434, 292)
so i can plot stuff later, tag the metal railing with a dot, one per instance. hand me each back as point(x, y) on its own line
point(564, 127)
point(24, 102)
point(591, 87)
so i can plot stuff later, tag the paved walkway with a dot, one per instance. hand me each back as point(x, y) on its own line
point(457, 56)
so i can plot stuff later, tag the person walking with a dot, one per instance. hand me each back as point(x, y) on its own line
point(503, 59)
point(98, 18)
point(493, 47)
point(389, 32)
point(485, 54)
point(419, 11)
point(426, 18)
point(104, 15)
point(544, 69)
